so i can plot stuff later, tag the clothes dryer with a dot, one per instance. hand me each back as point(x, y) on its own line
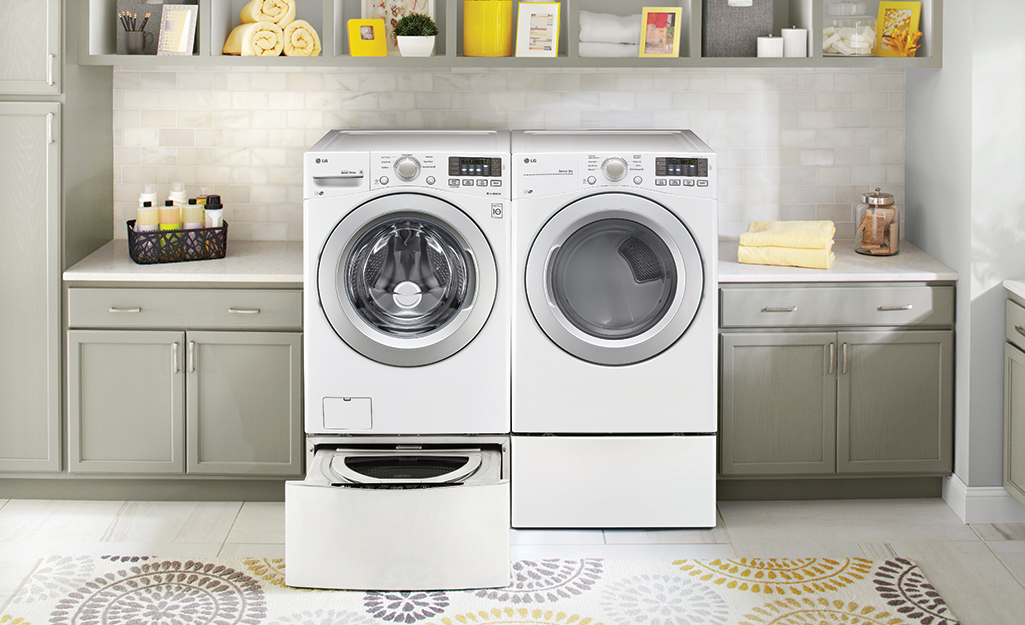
point(614, 329)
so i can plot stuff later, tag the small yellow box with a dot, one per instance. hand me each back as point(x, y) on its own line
point(487, 28)
point(367, 38)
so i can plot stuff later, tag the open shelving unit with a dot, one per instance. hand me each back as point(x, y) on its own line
point(329, 17)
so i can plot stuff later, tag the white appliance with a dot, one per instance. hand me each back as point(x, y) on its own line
point(614, 329)
point(406, 357)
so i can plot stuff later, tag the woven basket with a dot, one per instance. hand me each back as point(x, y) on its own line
point(175, 246)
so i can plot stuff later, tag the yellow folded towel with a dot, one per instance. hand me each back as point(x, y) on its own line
point(786, 257)
point(257, 39)
point(301, 39)
point(281, 12)
point(811, 235)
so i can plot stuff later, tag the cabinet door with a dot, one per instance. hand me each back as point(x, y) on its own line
point(125, 401)
point(1014, 422)
point(30, 282)
point(244, 403)
point(895, 402)
point(30, 39)
point(778, 403)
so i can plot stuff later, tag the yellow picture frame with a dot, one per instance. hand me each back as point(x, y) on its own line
point(367, 38)
point(898, 20)
point(660, 31)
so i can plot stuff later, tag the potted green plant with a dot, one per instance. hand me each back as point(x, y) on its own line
point(415, 35)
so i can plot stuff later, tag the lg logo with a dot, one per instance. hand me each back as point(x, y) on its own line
point(528, 161)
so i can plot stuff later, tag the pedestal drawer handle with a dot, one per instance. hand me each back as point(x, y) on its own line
point(244, 311)
point(889, 308)
point(1020, 330)
point(787, 309)
point(125, 310)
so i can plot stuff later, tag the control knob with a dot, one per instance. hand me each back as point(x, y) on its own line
point(614, 169)
point(407, 168)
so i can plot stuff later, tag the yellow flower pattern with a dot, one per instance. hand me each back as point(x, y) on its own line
point(516, 616)
point(779, 576)
point(820, 611)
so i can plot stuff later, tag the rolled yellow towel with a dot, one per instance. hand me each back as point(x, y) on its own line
point(301, 39)
point(281, 12)
point(257, 39)
point(812, 235)
point(786, 257)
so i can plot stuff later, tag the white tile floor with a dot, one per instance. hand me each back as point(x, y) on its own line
point(979, 570)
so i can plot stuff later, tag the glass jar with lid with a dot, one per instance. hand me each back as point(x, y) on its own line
point(878, 222)
point(848, 29)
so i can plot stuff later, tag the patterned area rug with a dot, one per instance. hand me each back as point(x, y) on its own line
point(119, 590)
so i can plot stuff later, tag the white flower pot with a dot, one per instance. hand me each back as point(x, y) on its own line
point(416, 46)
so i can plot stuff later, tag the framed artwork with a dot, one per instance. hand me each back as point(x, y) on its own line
point(366, 38)
point(537, 29)
point(177, 29)
point(391, 11)
point(897, 31)
point(660, 31)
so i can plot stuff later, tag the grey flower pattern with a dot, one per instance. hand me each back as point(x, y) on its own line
point(55, 577)
point(405, 606)
point(906, 590)
point(545, 581)
point(325, 617)
point(663, 600)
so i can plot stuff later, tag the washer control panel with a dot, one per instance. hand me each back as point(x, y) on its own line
point(478, 175)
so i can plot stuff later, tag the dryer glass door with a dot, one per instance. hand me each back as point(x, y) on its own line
point(614, 278)
point(407, 279)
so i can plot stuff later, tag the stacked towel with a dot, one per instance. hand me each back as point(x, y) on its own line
point(607, 35)
point(269, 28)
point(788, 243)
point(257, 39)
point(301, 39)
point(281, 12)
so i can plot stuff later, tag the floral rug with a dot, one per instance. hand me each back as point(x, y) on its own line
point(122, 590)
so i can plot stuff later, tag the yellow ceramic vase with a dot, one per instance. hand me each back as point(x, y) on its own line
point(487, 28)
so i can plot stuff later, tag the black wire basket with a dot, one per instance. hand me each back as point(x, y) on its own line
point(175, 246)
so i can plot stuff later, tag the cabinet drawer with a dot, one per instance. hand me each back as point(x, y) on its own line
point(837, 306)
point(184, 308)
point(1014, 325)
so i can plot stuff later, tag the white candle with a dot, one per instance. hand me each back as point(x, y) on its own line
point(795, 42)
point(770, 47)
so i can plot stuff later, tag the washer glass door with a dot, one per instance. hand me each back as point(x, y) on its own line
point(407, 279)
point(614, 278)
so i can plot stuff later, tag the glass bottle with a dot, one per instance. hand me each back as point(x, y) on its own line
point(848, 29)
point(878, 220)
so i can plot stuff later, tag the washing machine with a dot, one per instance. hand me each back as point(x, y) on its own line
point(614, 329)
point(406, 350)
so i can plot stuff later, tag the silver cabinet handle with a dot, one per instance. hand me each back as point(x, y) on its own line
point(174, 357)
point(244, 311)
point(192, 357)
point(832, 357)
point(889, 308)
point(787, 309)
point(125, 310)
point(1019, 330)
point(844, 371)
point(49, 129)
point(50, 58)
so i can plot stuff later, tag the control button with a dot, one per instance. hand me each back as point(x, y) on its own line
point(496, 183)
point(702, 183)
point(674, 182)
point(638, 180)
point(660, 182)
point(407, 168)
point(614, 169)
point(430, 180)
point(688, 183)
point(591, 180)
point(385, 180)
point(482, 183)
point(453, 182)
point(467, 182)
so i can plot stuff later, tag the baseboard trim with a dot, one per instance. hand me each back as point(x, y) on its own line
point(981, 504)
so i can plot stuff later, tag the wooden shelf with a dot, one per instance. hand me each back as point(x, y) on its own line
point(217, 18)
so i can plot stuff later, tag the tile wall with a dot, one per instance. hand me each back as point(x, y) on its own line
point(793, 143)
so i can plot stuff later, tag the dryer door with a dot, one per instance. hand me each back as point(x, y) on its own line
point(614, 278)
point(407, 279)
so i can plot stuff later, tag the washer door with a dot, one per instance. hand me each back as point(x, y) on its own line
point(407, 279)
point(614, 278)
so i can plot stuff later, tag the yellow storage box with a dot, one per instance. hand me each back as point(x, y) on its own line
point(487, 28)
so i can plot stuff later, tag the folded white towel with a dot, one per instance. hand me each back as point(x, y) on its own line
point(608, 28)
point(608, 50)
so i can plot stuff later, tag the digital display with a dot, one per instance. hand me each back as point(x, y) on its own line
point(474, 166)
point(681, 166)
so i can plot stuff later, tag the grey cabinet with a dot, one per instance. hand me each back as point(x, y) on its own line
point(29, 279)
point(1014, 402)
point(798, 400)
point(214, 402)
point(30, 40)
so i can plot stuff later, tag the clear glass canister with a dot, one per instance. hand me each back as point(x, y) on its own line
point(848, 29)
point(878, 222)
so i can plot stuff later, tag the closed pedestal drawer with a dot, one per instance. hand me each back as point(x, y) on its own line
point(184, 308)
point(837, 306)
point(1015, 325)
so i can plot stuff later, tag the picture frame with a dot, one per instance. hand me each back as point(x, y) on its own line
point(391, 11)
point(660, 31)
point(367, 37)
point(897, 19)
point(537, 29)
point(177, 29)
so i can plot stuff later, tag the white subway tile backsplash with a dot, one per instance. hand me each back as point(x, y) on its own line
point(792, 144)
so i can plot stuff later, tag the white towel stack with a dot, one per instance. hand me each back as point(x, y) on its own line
point(607, 35)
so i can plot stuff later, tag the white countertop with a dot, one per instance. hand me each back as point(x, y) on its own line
point(911, 264)
point(245, 261)
point(1015, 286)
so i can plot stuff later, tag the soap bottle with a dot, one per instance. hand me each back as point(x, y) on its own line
point(177, 194)
point(146, 218)
point(214, 212)
point(170, 216)
point(192, 215)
